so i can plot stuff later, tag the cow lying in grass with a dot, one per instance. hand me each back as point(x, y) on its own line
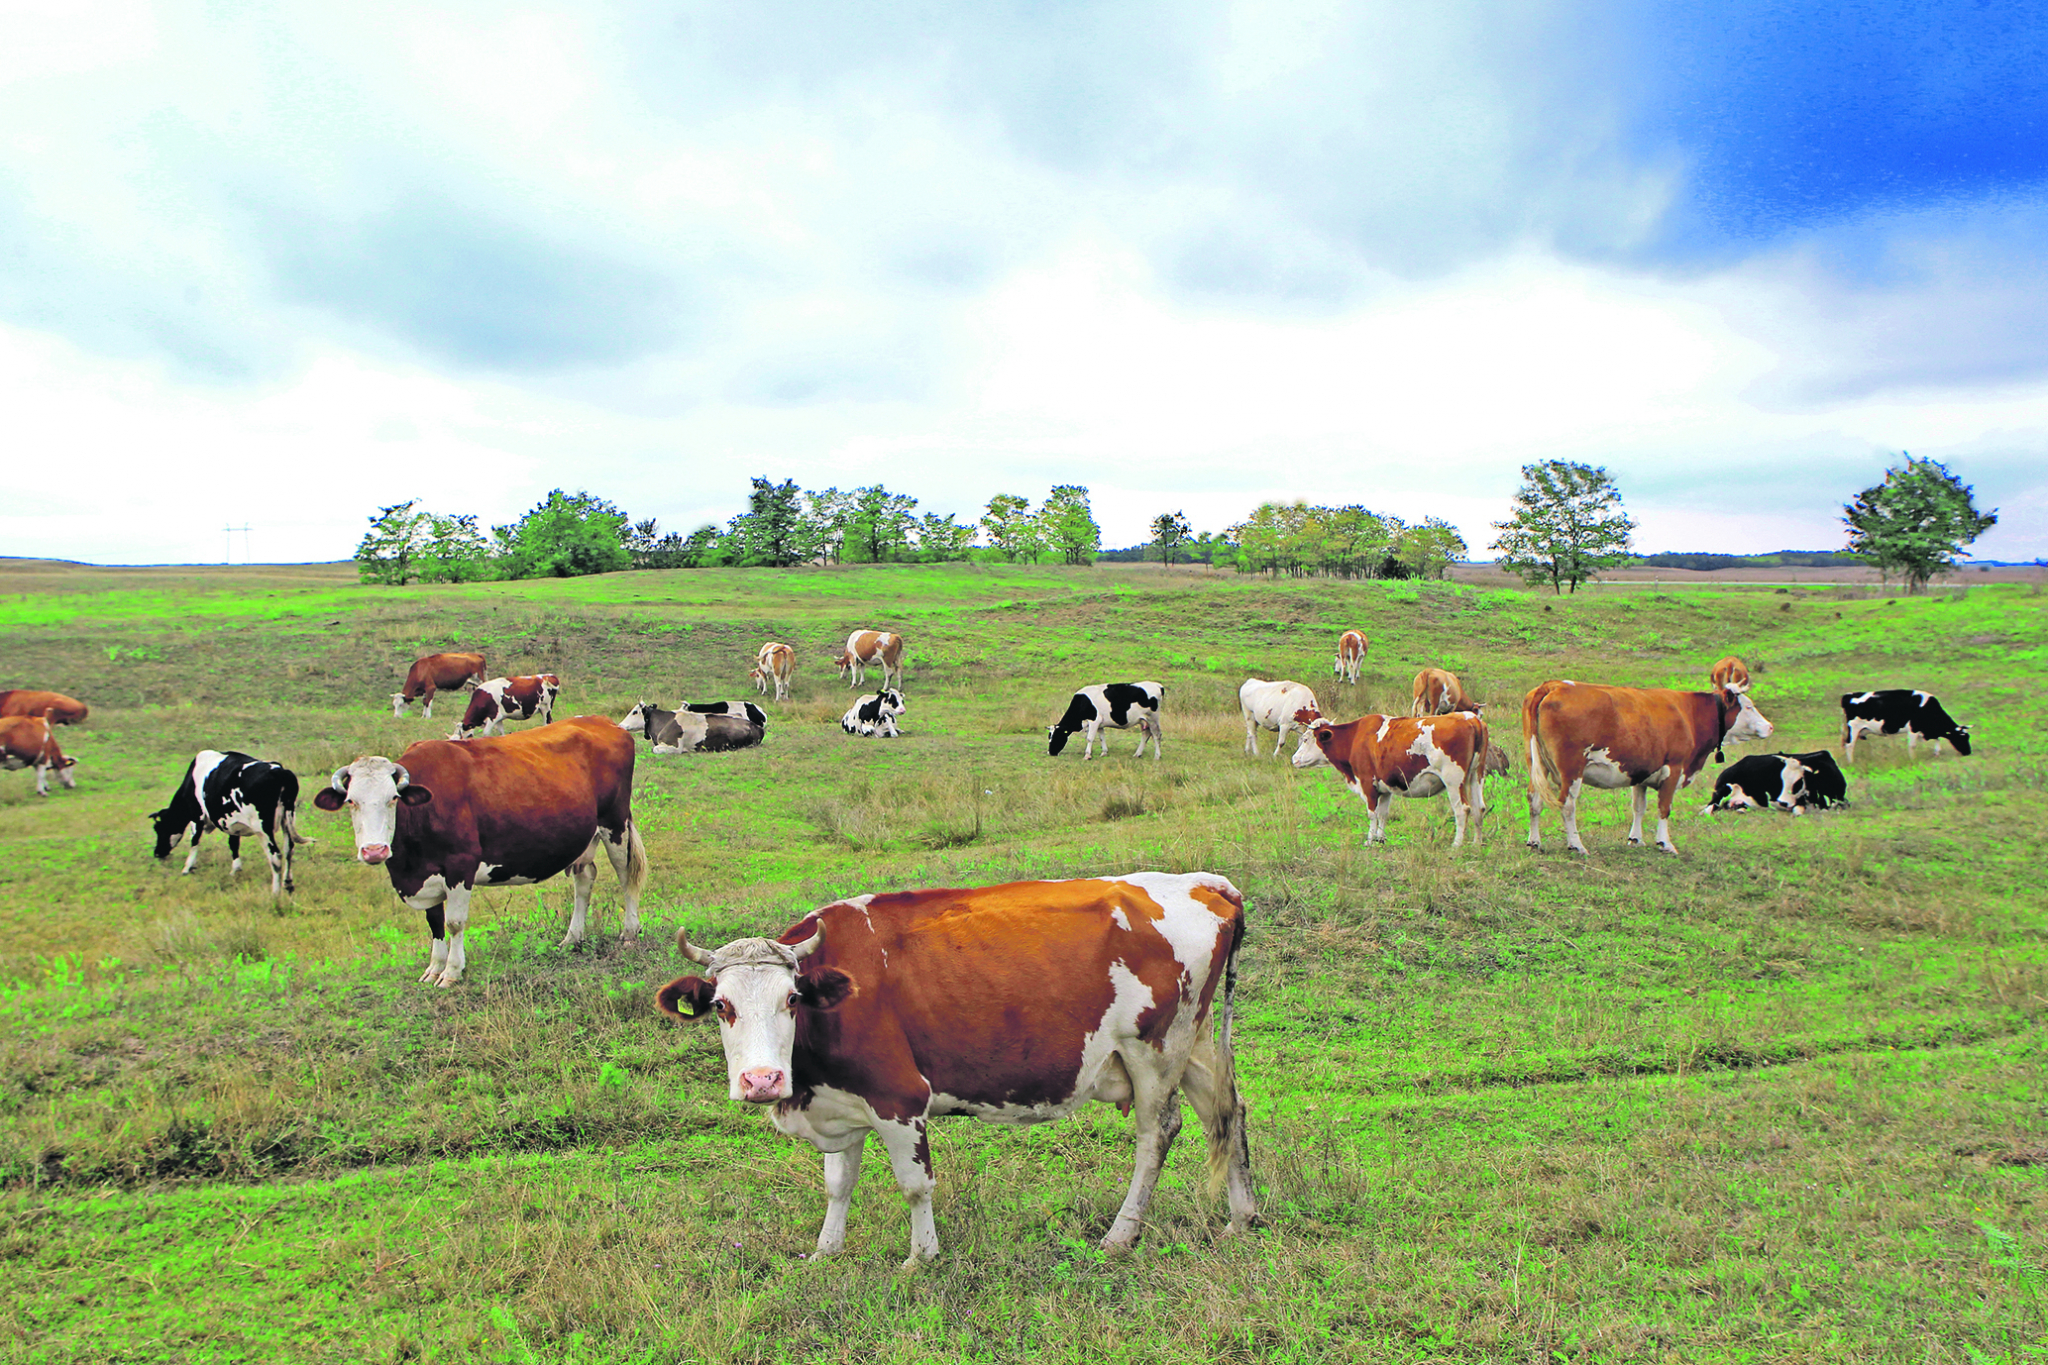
point(691, 732)
point(874, 715)
point(1792, 782)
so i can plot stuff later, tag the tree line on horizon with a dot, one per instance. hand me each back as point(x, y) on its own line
point(1566, 525)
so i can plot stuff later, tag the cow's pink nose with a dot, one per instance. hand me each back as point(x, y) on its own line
point(374, 853)
point(762, 1084)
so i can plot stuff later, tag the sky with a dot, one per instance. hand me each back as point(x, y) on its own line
point(277, 266)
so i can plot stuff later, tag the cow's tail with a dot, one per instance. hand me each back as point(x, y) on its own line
point(1229, 1134)
point(636, 858)
point(1545, 783)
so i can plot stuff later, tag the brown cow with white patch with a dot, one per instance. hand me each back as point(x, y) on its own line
point(502, 811)
point(871, 649)
point(1386, 756)
point(1438, 692)
point(1013, 1004)
point(1730, 673)
point(1634, 737)
point(26, 742)
point(436, 673)
point(57, 708)
point(1350, 658)
point(503, 699)
point(774, 664)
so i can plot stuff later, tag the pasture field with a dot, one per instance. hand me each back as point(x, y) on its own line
point(1780, 1097)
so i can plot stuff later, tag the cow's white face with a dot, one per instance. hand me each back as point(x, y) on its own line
point(1790, 794)
point(755, 991)
point(636, 719)
point(372, 789)
point(1309, 753)
point(1749, 722)
point(397, 704)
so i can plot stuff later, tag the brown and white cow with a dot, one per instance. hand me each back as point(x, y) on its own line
point(1634, 737)
point(1013, 1004)
point(436, 673)
point(774, 664)
point(1350, 658)
point(27, 742)
point(55, 706)
point(867, 649)
point(503, 811)
point(1730, 673)
point(1381, 757)
point(503, 699)
point(1438, 692)
point(1274, 706)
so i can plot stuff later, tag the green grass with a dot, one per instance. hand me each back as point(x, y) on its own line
point(1779, 1097)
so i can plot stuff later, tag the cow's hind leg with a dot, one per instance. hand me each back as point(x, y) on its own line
point(234, 855)
point(1150, 1097)
point(1665, 795)
point(629, 862)
point(582, 876)
point(1210, 1083)
point(1571, 814)
point(910, 1157)
point(1638, 800)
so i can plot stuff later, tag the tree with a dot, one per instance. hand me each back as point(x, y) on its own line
point(394, 539)
point(1068, 525)
point(1009, 525)
point(771, 531)
point(1429, 550)
point(1916, 522)
point(454, 550)
point(942, 540)
point(565, 534)
point(827, 515)
point(1567, 525)
point(882, 522)
point(1169, 529)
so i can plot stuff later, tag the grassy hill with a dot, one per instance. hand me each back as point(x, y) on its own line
point(1777, 1097)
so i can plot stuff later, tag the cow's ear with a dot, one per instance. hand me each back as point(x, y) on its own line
point(686, 997)
point(825, 989)
point(416, 796)
point(327, 798)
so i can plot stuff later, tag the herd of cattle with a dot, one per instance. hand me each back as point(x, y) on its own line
point(881, 1012)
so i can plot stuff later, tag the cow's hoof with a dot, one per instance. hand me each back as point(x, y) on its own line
point(432, 978)
point(1667, 848)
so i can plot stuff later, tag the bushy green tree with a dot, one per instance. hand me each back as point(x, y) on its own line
point(882, 523)
point(1916, 522)
point(1169, 531)
point(1011, 529)
point(454, 550)
point(566, 534)
point(772, 531)
point(1429, 550)
point(1567, 525)
point(393, 542)
point(828, 513)
point(942, 540)
point(1068, 525)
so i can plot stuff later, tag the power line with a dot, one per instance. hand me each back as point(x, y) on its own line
point(231, 543)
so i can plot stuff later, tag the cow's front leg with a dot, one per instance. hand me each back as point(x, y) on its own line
point(192, 858)
point(458, 920)
point(1281, 742)
point(1250, 730)
point(1088, 734)
point(582, 876)
point(429, 711)
point(437, 955)
point(910, 1157)
point(276, 863)
point(1665, 795)
point(1638, 800)
point(842, 1173)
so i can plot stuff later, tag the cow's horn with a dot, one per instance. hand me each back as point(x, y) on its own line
point(690, 950)
point(404, 777)
point(340, 780)
point(800, 951)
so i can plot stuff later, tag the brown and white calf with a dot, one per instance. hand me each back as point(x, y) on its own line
point(1012, 1004)
point(436, 673)
point(1381, 757)
point(503, 699)
point(503, 811)
point(1632, 737)
point(57, 708)
point(26, 742)
point(774, 664)
point(1438, 692)
point(867, 649)
point(1351, 646)
point(1730, 673)
point(1273, 706)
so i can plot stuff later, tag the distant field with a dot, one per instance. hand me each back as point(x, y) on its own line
point(1778, 1098)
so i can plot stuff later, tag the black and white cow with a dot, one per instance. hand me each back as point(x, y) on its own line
point(691, 732)
point(242, 797)
point(1793, 782)
point(1918, 714)
point(1114, 706)
point(874, 715)
point(739, 710)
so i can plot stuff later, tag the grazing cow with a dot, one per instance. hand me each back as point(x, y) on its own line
point(503, 699)
point(26, 742)
point(1918, 714)
point(436, 672)
point(692, 732)
point(870, 649)
point(774, 664)
point(1625, 737)
point(503, 811)
point(1273, 706)
point(1386, 756)
point(1497, 764)
point(1794, 782)
point(242, 797)
point(874, 715)
point(1730, 673)
point(57, 708)
point(1113, 706)
point(738, 710)
point(1439, 693)
point(1013, 1004)
point(1350, 655)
